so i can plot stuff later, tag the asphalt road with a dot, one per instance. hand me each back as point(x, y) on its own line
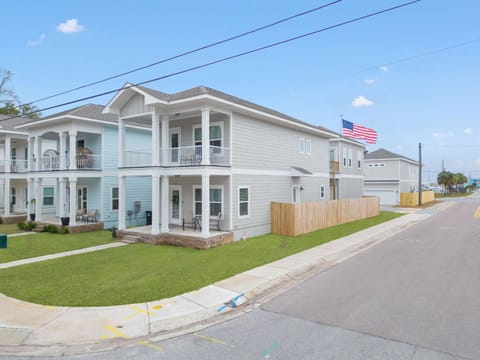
point(414, 296)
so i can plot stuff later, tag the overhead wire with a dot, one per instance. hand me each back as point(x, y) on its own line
point(238, 55)
point(189, 52)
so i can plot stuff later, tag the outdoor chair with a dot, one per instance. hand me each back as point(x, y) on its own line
point(91, 216)
point(80, 215)
point(189, 220)
point(215, 222)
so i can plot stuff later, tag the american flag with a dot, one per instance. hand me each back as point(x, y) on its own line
point(358, 132)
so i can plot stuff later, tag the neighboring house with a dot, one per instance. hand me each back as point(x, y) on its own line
point(13, 166)
point(73, 164)
point(211, 153)
point(346, 168)
point(388, 174)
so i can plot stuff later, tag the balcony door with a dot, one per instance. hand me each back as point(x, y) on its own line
point(174, 145)
point(175, 204)
point(82, 203)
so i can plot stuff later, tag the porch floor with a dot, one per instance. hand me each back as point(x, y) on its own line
point(175, 229)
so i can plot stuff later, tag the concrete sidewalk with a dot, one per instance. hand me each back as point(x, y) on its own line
point(31, 329)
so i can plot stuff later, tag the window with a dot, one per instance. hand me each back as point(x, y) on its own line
point(115, 198)
point(216, 200)
point(13, 196)
point(359, 159)
point(322, 192)
point(48, 196)
point(308, 147)
point(301, 145)
point(216, 131)
point(80, 143)
point(344, 157)
point(243, 201)
point(350, 156)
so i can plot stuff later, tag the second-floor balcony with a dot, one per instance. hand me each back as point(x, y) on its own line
point(62, 162)
point(14, 166)
point(178, 157)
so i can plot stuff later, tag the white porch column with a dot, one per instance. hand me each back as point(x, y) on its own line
point(121, 202)
point(6, 195)
point(8, 153)
point(121, 142)
point(38, 199)
point(165, 204)
point(30, 196)
point(73, 198)
point(30, 164)
point(155, 139)
point(62, 196)
point(73, 151)
point(205, 205)
point(37, 152)
point(63, 150)
point(205, 136)
point(155, 204)
point(165, 140)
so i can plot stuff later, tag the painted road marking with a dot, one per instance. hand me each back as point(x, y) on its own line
point(116, 332)
point(211, 339)
point(477, 213)
point(151, 346)
point(137, 312)
point(272, 347)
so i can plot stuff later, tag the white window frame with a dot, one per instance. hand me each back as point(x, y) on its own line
point(359, 159)
point(216, 123)
point(81, 139)
point(350, 158)
point(345, 157)
point(322, 192)
point(308, 147)
point(301, 145)
point(298, 194)
point(112, 198)
point(241, 187)
point(13, 195)
point(221, 187)
point(43, 195)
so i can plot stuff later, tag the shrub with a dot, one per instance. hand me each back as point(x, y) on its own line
point(50, 228)
point(64, 230)
point(29, 226)
point(21, 225)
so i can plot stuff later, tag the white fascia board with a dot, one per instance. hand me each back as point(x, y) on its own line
point(339, 139)
point(66, 117)
point(14, 132)
point(393, 159)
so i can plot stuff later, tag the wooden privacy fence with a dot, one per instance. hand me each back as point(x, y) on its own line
point(296, 219)
point(411, 199)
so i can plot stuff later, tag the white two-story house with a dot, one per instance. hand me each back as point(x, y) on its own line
point(388, 174)
point(212, 153)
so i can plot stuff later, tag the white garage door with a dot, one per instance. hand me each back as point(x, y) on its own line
point(387, 197)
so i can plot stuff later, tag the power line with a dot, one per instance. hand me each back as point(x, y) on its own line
point(227, 58)
point(201, 48)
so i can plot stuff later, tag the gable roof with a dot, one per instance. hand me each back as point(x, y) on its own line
point(8, 123)
point(206, 91)
point(383, 154)
point(88, 111)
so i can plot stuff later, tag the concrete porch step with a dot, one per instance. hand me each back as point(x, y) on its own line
point(129, 238)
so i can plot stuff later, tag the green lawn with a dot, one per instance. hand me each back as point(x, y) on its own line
point(140, 272)
point(10, 229)
point(27, 246)
point(451, 195)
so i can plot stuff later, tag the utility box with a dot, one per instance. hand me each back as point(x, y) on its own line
point(3, 241)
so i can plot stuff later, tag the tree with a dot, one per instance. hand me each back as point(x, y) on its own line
point(10, 104)
point(445, 178)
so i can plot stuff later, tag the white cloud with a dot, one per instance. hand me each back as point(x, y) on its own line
point(70, 26)
point(369, 81)
point(37, 42)
point(384, 68)
point(361, 101)
point(468, 131)
point(442, 136)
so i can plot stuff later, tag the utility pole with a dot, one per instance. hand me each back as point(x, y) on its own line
point(420, 174)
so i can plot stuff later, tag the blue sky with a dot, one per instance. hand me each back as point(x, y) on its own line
point(430, 99)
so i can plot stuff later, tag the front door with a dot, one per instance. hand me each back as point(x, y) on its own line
point(174, 145)
point(175, 204)
point(82, 203)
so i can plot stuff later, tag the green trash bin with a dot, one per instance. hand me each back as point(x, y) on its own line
point(3, 241)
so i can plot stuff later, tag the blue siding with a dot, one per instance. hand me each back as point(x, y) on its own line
point(110, 146)
point(137, 189)
point(92, 142)
point(138, 139)
point(94, 187)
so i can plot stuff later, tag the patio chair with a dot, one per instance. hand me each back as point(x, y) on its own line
point(189, 220)
point(80, 214)
point(215, 222)
point(91, 216)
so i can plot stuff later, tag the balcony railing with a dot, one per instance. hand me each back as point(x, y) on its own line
point(179, 156)
point(16, 166)
point(52, 163)
point(334, 166)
